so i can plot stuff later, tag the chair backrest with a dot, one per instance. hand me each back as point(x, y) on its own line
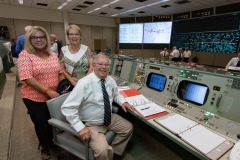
point(54, 107)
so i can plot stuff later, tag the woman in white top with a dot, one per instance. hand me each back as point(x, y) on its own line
point(76, 58)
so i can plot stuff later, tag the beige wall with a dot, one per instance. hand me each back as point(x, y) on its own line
point(92, 27)
point(91, 20)
point(16, 12)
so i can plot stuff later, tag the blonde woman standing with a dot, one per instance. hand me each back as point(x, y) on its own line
point(77, 58)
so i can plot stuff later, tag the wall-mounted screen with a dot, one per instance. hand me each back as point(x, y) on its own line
point(131, 33)
point(156, 81)
point(218, 42)
point(193, 92)
point(157, 32)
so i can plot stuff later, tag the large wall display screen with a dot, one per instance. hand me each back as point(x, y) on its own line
point(157, 32)
point(218, 42)
point(131, 33)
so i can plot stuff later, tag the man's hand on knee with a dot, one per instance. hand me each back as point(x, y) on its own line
point(85, 134)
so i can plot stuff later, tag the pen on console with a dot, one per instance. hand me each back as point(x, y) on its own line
point(145, 108)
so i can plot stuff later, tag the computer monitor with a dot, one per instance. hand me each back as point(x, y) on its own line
point(156, 81)
point(193, 92)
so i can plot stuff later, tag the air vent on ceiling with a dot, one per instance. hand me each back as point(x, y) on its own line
point(103, 13)
point(142, 12)
point(165, 6)
point(183, 2)
point(88, 2)
point(76, 9)
point(118, 8)
point(81, 6)
point(42, 4)
point(140, 0)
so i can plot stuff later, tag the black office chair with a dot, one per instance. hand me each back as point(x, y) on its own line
point(65, 136)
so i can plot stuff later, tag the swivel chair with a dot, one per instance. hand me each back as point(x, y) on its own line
point(65, 136)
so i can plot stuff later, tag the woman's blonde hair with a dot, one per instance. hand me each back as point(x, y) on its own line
point(74, 27)
point(28, 45)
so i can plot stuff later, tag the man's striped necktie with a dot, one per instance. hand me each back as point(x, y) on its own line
point(107, 106)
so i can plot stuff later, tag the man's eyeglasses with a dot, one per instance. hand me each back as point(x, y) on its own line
point(74, 34)
point(36, 38)
point(101, 64)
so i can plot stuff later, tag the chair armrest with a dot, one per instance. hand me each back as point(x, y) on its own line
point(67, 128)
point(110, 136)
point(62, 126)
point(115, 109)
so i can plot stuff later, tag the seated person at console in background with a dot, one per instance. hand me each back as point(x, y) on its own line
point(88, 110)
point(194, 62)
point(235, 62)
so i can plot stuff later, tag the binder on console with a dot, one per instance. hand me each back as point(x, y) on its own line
point(142, 105)
point(196, 135)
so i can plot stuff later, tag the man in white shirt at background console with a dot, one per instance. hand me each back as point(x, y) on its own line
point(175, 54)
point(186, 55)
point(85, 108)
point(164, 54)
point(235, 62)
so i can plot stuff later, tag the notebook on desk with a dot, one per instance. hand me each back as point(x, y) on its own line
point(143, 106)
point(196, 135)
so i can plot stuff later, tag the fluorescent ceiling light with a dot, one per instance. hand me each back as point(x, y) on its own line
point(105, 5)
point(149, 5)
point(20, 1)
point(60, 7)
point(96, 9)
point(64, 4)
point(114, 1)
point(162, 1)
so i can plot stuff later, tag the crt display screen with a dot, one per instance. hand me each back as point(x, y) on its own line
point(193, 92)
point(156, 81)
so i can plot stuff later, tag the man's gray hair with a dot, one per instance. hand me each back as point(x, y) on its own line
point(27, 28)
point(96, 56)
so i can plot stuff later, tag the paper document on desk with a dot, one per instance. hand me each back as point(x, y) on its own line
point(196, 135)
point(137, 100)
point(142, 105)
point(202, 139)
point(121, 88)
point(149, 109)
point(176, 123)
